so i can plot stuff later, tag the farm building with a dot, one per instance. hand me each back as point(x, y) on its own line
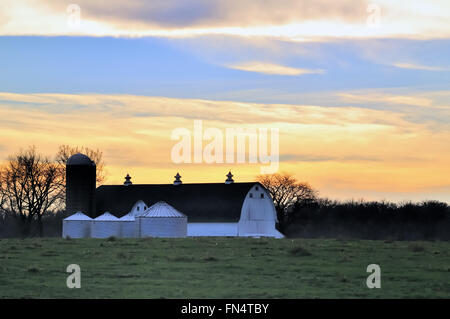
point(105, 226)
point(161, 220)
point(127, 226)
point(210, 209)
point(77, 225)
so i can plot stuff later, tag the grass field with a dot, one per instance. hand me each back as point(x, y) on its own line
point(223, 268)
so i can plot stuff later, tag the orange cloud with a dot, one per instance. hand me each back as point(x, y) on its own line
point(358, 149)
point(388, 99)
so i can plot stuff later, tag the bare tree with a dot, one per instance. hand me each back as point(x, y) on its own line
point(66, 151)
point(31, 185)
point(286, 191)
point(3, 207)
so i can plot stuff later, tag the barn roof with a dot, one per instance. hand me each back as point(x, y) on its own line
point(127, 218)
point(208, 202)
point(106, 217)
point(162, 209)
point(78, 216)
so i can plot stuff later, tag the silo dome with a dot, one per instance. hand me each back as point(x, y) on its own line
point(79, 159)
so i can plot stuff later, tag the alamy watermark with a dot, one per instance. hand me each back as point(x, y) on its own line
point(74, 279)
point(374, 279)
point(374, 18)
point(227, 146)
point(73, 16)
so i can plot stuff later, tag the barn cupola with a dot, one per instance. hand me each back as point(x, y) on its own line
point(127, 180)
point(229, 179)
point(177, 180)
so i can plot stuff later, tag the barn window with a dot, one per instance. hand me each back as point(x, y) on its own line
point(251, 195)
point(145, 207)
point(262, 195)
point(138, 208)
point(257, 188)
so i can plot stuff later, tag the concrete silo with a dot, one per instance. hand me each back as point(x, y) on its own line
point(80, 185)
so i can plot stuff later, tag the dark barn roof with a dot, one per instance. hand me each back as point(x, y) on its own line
point(212, 202)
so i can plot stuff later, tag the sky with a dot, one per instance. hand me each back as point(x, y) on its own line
point(358, 90)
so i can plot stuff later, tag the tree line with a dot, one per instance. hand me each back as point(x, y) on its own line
point(302, 213)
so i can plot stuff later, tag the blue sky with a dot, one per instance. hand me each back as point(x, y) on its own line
point(172, 67)
point(358, 89)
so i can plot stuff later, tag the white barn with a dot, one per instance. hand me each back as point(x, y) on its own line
point(212, 209)
point(138, 208)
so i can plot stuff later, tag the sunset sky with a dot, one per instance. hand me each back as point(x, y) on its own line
point(359, 90)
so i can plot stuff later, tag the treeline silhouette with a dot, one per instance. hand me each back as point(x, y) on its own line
point(12, 227)
point(322, 218)
point(428, 220)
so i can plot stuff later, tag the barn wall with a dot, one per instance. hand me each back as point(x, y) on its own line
point(212, 229)
point(258, 214)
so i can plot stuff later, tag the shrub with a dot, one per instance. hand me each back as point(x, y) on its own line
point(33, 269)
point(416, 248)
point(299, 251)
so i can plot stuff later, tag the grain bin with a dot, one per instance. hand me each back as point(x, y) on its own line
point(127, 226)
point(77, 225)
point(162, 220)
point(105, 225)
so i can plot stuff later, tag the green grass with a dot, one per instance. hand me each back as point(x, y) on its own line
point(223, 268)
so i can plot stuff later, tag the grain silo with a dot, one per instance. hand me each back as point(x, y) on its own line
point(127, 226)
point(162, 220)
point(80, 185)
point(105, 225)
point(77, 225)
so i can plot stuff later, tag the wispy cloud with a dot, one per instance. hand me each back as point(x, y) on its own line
point(270, 68)
point(387, 98)
point(367, 149)
point(414, 66)
point(227, 112)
